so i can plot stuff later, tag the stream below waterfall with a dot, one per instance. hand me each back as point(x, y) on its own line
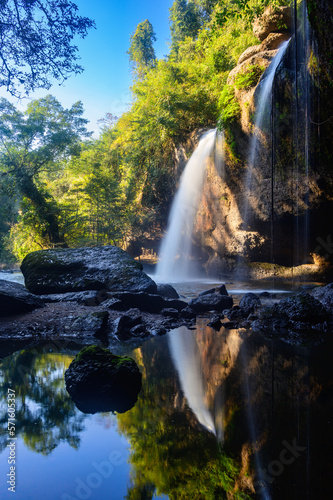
point(220, 413)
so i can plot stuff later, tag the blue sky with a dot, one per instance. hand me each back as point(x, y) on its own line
point(104, 85)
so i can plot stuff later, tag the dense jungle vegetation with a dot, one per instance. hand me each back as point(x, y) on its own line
point(61, 187)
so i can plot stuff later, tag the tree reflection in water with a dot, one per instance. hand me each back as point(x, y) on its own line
point(45, 413)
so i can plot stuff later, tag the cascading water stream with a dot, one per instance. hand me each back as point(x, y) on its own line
point(264, 107)
point(175, 253)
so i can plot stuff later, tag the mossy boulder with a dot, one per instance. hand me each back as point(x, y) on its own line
point(99, 381)
point(78, 269)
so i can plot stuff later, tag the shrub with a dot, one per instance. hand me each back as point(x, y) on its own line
point(249, 77)
point(228, 106)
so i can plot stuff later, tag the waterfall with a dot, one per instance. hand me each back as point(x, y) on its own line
point(175, 253)
point(264, 99)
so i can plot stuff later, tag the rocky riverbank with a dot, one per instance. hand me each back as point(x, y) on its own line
point(103, 295)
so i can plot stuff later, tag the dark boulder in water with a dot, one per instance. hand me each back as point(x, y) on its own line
point(236, 314)
point(211, 302)
point(167, 291)
point(220, 289)
point(79, 269)
point(147, 302)
point(249, 302)
point(216, 322)
point(99, 381)
point(301, 320)
point(302, 307)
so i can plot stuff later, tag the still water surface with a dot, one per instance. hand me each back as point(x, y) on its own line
point(220, 415)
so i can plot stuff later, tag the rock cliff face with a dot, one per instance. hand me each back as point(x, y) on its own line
point(280, 212)
point(320, 18)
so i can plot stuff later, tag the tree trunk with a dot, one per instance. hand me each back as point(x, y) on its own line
point(45, 212)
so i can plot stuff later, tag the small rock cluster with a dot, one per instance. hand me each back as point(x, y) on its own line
point(300, 319)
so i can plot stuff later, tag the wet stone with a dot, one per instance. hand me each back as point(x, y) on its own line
point(216, 322)
point(249, 302)
point(211, 302)
point(167, 291)
point(99, 381)
point(170, 312)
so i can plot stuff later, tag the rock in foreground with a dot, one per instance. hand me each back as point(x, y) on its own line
point(79, 269)
point(99, 381)
point(249, 302)
point(15, 299)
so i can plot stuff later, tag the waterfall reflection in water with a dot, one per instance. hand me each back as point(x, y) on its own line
point(185, 356)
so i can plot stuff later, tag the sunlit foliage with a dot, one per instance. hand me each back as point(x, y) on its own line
point(117, 189)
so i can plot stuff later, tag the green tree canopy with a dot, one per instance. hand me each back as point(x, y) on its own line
point(36, 141)
point(36, 43)
point(141, 51)
point(184, 22)
point(206, 7)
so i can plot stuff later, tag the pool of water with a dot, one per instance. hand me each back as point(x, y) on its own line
point(15, 276)
point(220, 415)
